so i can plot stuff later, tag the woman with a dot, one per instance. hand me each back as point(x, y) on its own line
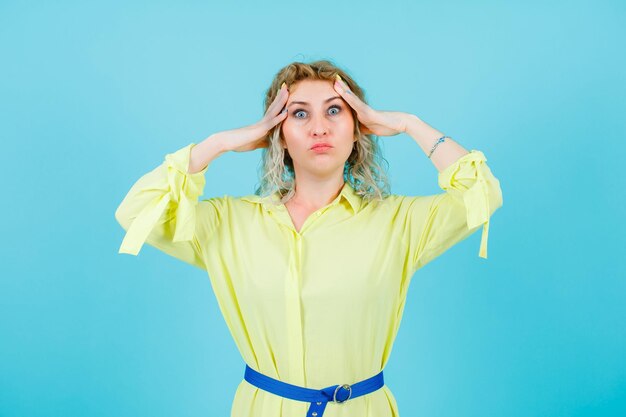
point(311, 272)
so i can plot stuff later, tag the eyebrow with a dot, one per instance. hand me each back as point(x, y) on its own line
point(305, 103)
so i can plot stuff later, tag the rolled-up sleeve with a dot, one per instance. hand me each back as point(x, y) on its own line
point(437, 222)
point(162, 209)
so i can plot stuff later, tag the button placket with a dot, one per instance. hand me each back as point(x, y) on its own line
point(294, 310)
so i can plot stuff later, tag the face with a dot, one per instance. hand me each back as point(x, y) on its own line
point(317, 113)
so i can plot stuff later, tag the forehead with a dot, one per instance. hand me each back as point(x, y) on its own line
point(311, 88)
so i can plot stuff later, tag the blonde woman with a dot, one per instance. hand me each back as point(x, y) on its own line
point(311, 271)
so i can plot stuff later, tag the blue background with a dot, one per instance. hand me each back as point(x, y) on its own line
point(94, 95)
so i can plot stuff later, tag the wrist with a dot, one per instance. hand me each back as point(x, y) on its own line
point(203, 153)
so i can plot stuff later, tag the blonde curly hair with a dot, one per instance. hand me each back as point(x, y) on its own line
point(363, 168)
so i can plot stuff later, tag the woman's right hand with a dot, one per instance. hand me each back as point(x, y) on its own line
point(253, 136)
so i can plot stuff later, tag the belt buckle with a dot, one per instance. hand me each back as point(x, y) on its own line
point(344, 386)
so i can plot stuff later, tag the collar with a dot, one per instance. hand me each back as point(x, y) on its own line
point(347, 194)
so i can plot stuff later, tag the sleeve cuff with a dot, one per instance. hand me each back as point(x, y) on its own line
point(183, 189)
point(465, 179)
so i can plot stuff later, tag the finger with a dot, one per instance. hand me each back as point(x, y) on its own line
point(277, 119)
point(278, 103)
point(279, 100)
point(354, 102)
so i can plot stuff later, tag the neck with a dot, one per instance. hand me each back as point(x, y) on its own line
point(313, 193)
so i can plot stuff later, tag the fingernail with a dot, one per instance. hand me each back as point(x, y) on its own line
point(338, 77)
point(283, 85)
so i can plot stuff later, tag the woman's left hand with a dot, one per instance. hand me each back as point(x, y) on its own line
point(377, 122)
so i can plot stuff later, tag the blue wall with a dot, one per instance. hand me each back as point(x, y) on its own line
point(93, 96)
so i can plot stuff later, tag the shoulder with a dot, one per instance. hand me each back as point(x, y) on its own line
point(232, 202)
point(401, 205)
point(247, 203)
point(250, 199)
point(218, 204)
point(397, 200)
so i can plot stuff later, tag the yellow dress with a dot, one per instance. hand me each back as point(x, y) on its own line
point(317, 307)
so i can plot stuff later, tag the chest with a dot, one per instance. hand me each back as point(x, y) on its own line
point(298, 215)
point(339, 260)
point(341, 257)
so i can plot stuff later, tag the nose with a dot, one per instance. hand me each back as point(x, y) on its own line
point(318, 126)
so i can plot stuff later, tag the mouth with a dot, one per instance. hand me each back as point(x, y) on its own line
point(322, 146)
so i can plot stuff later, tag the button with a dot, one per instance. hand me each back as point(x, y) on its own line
point(314, 413)
point(319, 403)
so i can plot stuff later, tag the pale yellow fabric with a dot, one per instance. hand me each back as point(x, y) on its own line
point(319, 307)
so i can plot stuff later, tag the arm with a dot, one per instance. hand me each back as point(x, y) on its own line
point(206, 151)
point(432, 224)
point(471, 195)
point(162, 207)
point(425, 136)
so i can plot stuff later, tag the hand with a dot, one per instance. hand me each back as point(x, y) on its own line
point(377, 122)
point(253, 137)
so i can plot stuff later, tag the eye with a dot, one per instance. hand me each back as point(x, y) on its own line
point(335, 106)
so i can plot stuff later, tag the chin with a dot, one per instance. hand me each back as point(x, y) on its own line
point(326, 167)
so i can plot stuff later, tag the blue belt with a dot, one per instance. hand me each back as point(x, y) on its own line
point(317, 398)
